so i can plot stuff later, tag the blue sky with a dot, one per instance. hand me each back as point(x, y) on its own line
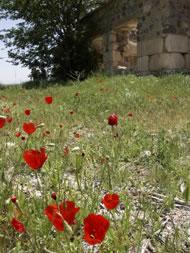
point(10, 74)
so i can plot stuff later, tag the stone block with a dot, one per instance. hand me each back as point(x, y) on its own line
point(176, 43)
point(117, 56)
point(187, 61)
point(150, 47)
point(147, 7)
point(143, 63)
point(167, 61)
point(132, 48)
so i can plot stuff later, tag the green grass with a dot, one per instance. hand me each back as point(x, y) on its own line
point(145, 154)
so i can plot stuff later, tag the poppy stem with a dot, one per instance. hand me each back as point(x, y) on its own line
point(38, 179)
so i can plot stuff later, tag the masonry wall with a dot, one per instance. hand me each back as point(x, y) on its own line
point(163, 32)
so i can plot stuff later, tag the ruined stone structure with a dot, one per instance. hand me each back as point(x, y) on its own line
point(142, 35)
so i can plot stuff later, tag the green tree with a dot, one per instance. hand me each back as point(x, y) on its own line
point(49, 38)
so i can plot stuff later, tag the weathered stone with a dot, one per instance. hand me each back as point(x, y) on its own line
point(150, 47)
point(117, 56)
point(187, 61)
point(167, 61)
point(143, 63)
point(176, 43)
point(132, 48)
point(161, 30)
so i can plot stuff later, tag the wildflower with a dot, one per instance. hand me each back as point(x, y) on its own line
point(101, 89)
point(148, 97)
point(9, 120)
point(47, 132)
point(71, 112)
point(107, 89)
point(8, 110)
point(66, 151)
point(115, 92)
point(14, 104)
point(111, 201)
point(95, 228)
point(130, 115)
point(53, 195)
point(17, 225)
point(29, 128)
point(112, 119)
point(2, 122)
point(76, 94)
point(27, 112)
point(56, 216)
point(48, 100)
point(13, 199)
point(60, 125)
point(34, 158)
point(18, 134)
point(77, 135)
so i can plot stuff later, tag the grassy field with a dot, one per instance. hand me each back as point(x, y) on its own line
point(144, 159)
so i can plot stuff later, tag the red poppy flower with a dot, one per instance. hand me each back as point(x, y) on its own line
point(29, 128)
point(101, 89)
point(95, 228)
point(48, 132)
point(56, 216)
point(148, 97)
point(115, 92)
point(27, 112)
point(14, 104)
point(34, 158)
point(66, 151)
point(60, 126)
point(2, 122)
point(71, 112)
point(18, 134)
point(111, 201)
point(23, 91)
point(48, 100)
point(112, 119)
point(174, 98)
point(8, 110)
point(107, 89)
point(77, 135)
point(76, 94)
point(17, 225)
point(130, 115)
point(9, 120)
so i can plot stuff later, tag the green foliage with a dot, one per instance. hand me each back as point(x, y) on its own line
point(49, 38)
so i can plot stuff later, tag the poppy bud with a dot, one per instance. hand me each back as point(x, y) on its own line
point(112, 119)
point(53, 195)
point(13, 199)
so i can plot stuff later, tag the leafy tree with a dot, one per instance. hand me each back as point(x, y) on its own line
point(49, 39)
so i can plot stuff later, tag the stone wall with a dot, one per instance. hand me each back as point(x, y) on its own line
point(161, 28)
